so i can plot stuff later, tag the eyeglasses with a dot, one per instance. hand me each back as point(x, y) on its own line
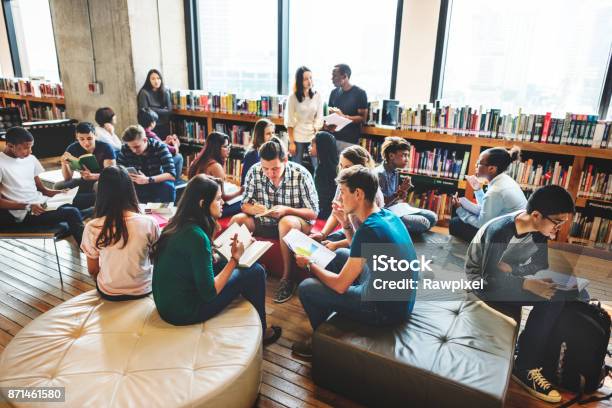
point(557, 224)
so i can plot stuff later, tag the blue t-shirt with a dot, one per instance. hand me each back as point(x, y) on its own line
point(102, 151)
point(384, 233)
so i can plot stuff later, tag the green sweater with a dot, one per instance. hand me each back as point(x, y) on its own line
point(183, 277)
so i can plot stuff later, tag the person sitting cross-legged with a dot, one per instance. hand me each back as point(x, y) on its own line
point(23, 196)
point(507, 250)
point(285, 192)
point(341, 287)
point(150, 165)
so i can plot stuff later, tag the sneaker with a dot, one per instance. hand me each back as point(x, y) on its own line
point(285, 290)
point(302, 348)
point(535, 383)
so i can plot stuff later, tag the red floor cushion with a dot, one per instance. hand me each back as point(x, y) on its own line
point(272, 259)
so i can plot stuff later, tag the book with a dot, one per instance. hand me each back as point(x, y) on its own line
point(303, 245)
point(87, 160)
point(335, 119)
point(563, 281)
point(253, 250)
point(402, 209)
point(55, 202)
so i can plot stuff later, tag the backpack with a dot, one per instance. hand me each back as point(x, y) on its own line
point(576, 349)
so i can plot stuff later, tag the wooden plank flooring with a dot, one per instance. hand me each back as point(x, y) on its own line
point(29, 286)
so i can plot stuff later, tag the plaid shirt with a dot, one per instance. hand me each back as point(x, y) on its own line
point(296, 190)
point(156, 160)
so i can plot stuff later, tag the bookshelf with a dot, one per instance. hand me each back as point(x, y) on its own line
point(578, 155)
point(35, 108)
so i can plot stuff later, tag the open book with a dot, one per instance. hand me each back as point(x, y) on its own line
point(229, 188)
point(55, 202)
point(303, 245)
point(253, 250)
point(564, 281)
point(402, 209)
point(86, 160)
point(335, 119)
point(469, 206)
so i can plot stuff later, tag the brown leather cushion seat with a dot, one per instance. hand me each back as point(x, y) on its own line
point(448, 354)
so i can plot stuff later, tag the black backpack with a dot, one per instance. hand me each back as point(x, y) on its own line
point(576, 349)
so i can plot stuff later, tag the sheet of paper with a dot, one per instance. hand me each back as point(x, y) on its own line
point(469, 206)
point(335, 119)
point(55, 202)
point(564, 281)
point(301, 244)
point(402, 209)
point(224, 241)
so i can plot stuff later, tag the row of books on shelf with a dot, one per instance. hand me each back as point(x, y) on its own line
point(233, 168)
point(439, 163)
point(20, 106)
point(596, 231)
point(573, 129)
point(431, 200)
point(191, 131)
point(228, 103)
point(31, 87)
point(530, 175)
point(47, 112)
point(595, 184)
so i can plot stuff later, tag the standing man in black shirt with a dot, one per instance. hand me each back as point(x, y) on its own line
point(349, 101)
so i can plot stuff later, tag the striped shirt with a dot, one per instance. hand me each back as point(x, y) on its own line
point(155, 160)
point(296, 190)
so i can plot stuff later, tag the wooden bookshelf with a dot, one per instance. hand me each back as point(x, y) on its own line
point(7, 97)
point(579, 153)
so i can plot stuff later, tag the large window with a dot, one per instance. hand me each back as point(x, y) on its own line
point(545, 55)
point(359, 33)
point(35, 41)
point(238, 40)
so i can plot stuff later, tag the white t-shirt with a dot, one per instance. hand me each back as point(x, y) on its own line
point(123, 270)
point(17, 182)
point(112, 139)
point(305, 117)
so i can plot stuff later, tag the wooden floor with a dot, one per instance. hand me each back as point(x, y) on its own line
point(29, 286)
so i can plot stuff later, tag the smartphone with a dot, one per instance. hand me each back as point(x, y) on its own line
point(132, 170)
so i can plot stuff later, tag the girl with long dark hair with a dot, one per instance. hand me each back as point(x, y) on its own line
point(263, 131)
point(323, 147)
point(156, 96)
point(304, 115)
point(211, 161)
point(188, 285)
point(117, 241)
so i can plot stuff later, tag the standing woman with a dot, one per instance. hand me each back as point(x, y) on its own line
point(503, 196)
point(304, 115)
point(154, 95)
point(323, 147)
point(262, 132)
point(118, 240)
point(188, 285)
point(211, 161)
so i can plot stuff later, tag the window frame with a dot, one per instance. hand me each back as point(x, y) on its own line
point(437, 83)
point(195, 62)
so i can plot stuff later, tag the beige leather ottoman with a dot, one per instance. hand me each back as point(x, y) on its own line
point(121, 354)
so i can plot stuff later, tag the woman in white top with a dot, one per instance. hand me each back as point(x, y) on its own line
point(118, 240)
point(105, 131)
point(304, 115)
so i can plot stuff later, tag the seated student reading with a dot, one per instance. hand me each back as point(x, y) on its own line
point(351, 156)
point(150, 165)
point(396, 153)
point(503, 195)
point(211, 161)
point(85, 144)
point(323, 149)
point(341, 287)
point(262, 132)
point(23, 196)
point(279, 196)
point(105, 131)
point(118, 240)
point(189, 285)
point(147, 118)
point(506, 250)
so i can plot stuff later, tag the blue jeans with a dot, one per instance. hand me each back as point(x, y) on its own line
point(232, 209)
point(163, 192)
point(68, 214)
point(420, 222)
point(250, 283)
point(462, 230)
point(177, 159)
point(300, 149)
point(319, 301)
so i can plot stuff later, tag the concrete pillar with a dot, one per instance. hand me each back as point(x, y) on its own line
point(123, 41)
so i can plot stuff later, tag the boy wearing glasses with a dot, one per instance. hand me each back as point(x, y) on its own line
point(504, 252)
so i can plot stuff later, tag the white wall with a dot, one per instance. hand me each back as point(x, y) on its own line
point(417, 51)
